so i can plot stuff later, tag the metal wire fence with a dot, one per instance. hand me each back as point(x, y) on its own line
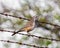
point(1, 30)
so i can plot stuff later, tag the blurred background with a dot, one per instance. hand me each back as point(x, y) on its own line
point(48, 11)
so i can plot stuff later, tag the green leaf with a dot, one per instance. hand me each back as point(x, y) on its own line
point(19, 21)
point(42, 19)
point(48, 42)
point(49, 9)
point(57, 17)
point(24, 38)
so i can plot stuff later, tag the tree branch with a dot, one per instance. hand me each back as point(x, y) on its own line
point(8, 41)
point(31, 35)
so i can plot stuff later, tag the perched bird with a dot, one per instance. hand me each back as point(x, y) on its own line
point(28, 27)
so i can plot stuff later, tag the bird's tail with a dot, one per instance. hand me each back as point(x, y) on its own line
point(16, 32)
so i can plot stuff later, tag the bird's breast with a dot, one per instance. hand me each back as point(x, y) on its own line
point(27, 28)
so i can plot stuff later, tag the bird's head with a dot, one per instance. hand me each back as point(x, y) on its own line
point(35, 18)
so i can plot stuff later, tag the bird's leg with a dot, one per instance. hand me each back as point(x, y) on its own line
point(28, 33)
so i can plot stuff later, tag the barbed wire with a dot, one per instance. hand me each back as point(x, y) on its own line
point(51, 24)
point(8, 41)
point(28, 19)
point(31, 35)
point(13, 16)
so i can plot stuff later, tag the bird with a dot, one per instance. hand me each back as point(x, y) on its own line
point(28, 27)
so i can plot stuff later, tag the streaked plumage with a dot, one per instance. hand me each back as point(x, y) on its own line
point(28, 27)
